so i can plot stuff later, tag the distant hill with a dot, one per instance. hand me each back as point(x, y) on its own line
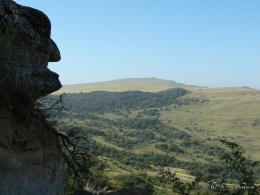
point(142, 84)
point(140, 81)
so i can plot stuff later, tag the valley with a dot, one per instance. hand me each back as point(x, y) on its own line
point(166, 127)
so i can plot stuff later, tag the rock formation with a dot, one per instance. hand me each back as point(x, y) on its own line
point(30, 160)
point(27, 32)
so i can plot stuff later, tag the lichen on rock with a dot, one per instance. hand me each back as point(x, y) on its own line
point(30, 160)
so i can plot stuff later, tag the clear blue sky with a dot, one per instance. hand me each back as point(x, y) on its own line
point(214, 43)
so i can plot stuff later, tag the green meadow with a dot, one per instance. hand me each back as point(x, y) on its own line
point(185, 135)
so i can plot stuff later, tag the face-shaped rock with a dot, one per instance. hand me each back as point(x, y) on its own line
point(26, 31)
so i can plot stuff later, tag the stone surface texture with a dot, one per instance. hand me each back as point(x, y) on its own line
point(27, 31)
point(30, 159)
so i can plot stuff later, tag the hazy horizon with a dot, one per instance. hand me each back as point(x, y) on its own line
point(205, 43)
point(153, 78)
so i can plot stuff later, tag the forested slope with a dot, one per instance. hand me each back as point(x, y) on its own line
point(166, 128)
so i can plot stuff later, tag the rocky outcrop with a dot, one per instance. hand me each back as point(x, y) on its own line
point(27, 33)
point(30, 159)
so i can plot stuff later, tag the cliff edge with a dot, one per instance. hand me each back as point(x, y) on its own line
point(30, 159)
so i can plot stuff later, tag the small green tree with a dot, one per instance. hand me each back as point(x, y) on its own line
point(245, 167)
point(234, 162)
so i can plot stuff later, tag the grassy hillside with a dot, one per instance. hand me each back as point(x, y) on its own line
point(179, 132)
point(231, 113)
